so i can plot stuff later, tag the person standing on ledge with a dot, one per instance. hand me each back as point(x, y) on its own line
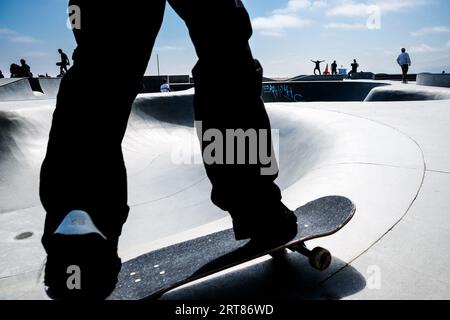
point(334, 68)
point(25, 70)
point(317, 68)
point(63, 63)
point(165, 87)
point(404, 61)
point(355, 67)
point(83, 182)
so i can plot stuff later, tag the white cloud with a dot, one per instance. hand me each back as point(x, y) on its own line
point(295, 6)
point(7, 32)
point(24, 39)
point(349, 8)
point(35, 54)
point(430, 30)
point(424, 48)
point(169, 48)
point(278, 22)
point(346, 26)
point(275, 24)
point(16, 37)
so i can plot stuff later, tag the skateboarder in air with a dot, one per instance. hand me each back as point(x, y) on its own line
point(83, 185)
point(63, 63)
point(317, 68)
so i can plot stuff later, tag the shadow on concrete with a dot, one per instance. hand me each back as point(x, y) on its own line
point(287, 278)
point(176, 109)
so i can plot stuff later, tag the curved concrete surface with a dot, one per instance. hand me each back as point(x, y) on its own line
point(309, 91)
point(50, 87)
point(19, 89)
point(390, 158)
point(15, 89)
point(407, 92)
point(436, 80)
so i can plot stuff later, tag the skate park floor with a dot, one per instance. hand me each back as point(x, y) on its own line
point(390, 157)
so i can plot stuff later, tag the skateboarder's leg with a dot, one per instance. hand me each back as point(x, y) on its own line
point(84, 167)
point(220, 31)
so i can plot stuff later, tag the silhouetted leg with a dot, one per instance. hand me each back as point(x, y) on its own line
point(84, 167)
point(228, 83)
point(405, 68)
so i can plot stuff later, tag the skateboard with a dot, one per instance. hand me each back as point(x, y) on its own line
point(151, 275)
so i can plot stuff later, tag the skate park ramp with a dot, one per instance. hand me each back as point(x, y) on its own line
point(19, 89)
point(390, 158)
point(15, 89)
point(310, 91)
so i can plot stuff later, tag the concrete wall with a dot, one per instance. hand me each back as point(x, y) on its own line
point(393, 77)
point(303, 91)
point(319, 78)
point(434, 80)
point(15, 89)
point(151, 84)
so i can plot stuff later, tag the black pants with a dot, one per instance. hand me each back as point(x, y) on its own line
point(62, 67)
point(405, 69)
point(84, 167)
point(317, 69)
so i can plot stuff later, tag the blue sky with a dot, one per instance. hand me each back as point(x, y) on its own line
point(287, 34)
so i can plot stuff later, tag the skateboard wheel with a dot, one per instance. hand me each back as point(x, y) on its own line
point(279, 254)
point(320, 258)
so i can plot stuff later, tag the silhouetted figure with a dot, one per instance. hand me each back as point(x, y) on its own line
point(14, 69)
point(83, 185)
point(25, 70)
point(354, 66)
point(1, 75)
point(317, 68)
point(404, 61)
point(334, 68)
point(165, 87)
point(63, 63)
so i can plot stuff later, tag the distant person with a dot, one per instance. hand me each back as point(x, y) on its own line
point(334, 68)
point(1, 75)
point(404, 62)
point(354, 66)
point(165, 87)
point(14, 69)
point(25, 70)
point(64, 63)
point(317, 68)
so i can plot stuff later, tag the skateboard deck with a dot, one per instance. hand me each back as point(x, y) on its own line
point(152, 274)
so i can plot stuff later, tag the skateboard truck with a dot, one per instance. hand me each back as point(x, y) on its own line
point(319, 258)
